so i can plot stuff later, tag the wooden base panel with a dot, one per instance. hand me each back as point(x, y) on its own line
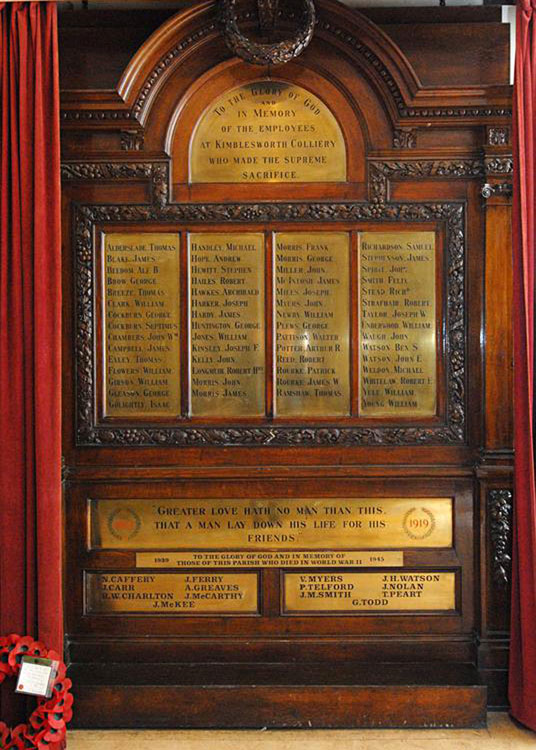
point(279, 702)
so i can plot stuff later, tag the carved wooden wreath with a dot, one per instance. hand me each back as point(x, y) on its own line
point(276, 53)
point(46, 726)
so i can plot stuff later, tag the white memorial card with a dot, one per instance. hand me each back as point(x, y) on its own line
point(36, 676)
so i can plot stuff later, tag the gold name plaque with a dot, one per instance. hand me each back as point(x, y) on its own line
point(227, 360)
point(278, 524)
point(172, 593)
point(270, 559)
point(141, 325)
point(268, 131)
point(368, 592)
point(397, 333)
point(312, 319)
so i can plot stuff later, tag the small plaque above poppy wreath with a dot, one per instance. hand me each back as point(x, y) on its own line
point(47, 725)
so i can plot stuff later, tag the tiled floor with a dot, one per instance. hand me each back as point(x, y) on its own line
point(501, 734)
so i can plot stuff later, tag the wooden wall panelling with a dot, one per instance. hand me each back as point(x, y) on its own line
point(416, 160)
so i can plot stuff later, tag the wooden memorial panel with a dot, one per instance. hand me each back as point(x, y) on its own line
point(278, 308)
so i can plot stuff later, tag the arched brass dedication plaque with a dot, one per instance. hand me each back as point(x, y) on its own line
point(268, 131)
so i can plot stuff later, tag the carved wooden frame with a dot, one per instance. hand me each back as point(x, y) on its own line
point(86, 217)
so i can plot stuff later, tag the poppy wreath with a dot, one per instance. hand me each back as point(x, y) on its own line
point(46, 727)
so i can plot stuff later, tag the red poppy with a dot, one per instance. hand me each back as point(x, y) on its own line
point(20, 649)
point(46, 728)
point(37, 649)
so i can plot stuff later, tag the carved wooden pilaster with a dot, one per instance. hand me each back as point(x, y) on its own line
point(500, 506)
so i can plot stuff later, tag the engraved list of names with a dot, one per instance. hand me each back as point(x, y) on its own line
point(227, 358)
point(312, 324)
point(141, 325)
point(397, 324)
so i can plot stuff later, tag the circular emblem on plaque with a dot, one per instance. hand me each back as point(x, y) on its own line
point(419, 523)
point(124, 523)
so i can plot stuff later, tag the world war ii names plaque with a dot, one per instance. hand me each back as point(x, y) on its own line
point(172, 593)
point(227, 358)
point(268, 131)
point(397, 333)
point(141, 325)
point(312, 324)
point(369, 592)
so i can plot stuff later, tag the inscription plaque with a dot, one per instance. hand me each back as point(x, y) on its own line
point(267, 559)
point(368, 592)
point(172, 593)
point(141, 325)
point(397, 333)
point(312, 322)
point(268, 131)
point(229, 524)
point(227, 364)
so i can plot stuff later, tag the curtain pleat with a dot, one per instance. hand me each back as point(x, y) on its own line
point(522, 679)
point(30, 324)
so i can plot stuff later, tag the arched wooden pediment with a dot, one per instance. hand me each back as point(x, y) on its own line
point(194, 36)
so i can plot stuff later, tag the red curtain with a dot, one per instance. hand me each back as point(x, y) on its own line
point(30, 324)
point(522, 689)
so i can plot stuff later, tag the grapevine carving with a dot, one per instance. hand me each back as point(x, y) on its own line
point(157, 173)
point(382, 172)
point(500, 524)
point(500, 165)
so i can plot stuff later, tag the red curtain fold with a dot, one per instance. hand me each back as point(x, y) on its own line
point(30, 324)
point(522, 685)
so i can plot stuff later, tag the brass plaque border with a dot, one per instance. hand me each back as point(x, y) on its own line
point(87, 218)
point(226, 104)
point(87, 612)
point(331, 529)
point(457, 572)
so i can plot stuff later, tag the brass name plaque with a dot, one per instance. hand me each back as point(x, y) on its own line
point(368, 592)
point(397, 333)
point(141, 325)
point(270, 559)
point(312, 320)
point(268, 131)
point(172, 593)
point(227, 324)
point(234, 524)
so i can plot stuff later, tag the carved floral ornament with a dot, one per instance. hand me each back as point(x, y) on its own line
point(271, 53)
